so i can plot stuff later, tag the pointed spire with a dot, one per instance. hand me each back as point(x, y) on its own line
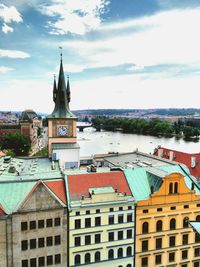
point(68, 90)
point(54, 89)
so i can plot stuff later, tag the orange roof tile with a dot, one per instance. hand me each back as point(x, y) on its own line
point(58, 188)
point(79, 184)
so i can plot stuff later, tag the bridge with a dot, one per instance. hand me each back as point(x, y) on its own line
point(82, 125)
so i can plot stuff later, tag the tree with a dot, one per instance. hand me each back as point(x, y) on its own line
point(16, 142)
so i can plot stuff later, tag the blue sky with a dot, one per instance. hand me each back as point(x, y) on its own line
point(118, 53)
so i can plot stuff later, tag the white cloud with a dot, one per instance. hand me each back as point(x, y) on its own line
point(13, 54)
point(73, 16)
point(9, 15)
point(6, 28)
point(4, 69)
point(166, 38)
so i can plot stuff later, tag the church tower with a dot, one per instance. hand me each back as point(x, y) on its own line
point(62, 133)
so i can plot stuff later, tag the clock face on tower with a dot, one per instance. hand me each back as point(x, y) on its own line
point(62, 130)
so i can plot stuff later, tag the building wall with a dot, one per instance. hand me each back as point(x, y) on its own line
point(164, 206)
point(3, 242)
point(102, 210)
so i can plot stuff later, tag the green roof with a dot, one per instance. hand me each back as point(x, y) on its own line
point(13, 194)
point(196, 226)
point(141, 179)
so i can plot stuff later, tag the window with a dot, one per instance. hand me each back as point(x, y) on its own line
point(120, 218)
point(173, 208)
point(77, 241)
point(171, 188)
point(145, 211)
point(171, 256)
point(120, 253)
point(198, 205)
point(159, 226)
point(49, 260)
point(111, 219)
point(129, 233)
point(49, 222)
point(128, 265)
point(57, 221)
point(120, 235)
point(97, 238)
point(24, 226)
point(40, 242)
point(49, 241)
point(41, 224)
point(57, 259)
point(98, 211)
point(197, 252)
point(111, 209)
point(33, 263)
point(197, 238)
point(97, 221)
point(87, 222)
point(41, 261)
point(172, 241)
point(144, 245)
point(185, 222)
point(129, 207)
point(129, 217)
point(184, 254)
point(196, 264)
point(87, 240)
point(32, 243)
point(77, 259)
point(57, 240)
point(158, 243)
point(172, 224)
point(198, 218)
point(175, 188)
point(87, 258)
point(129, 251)
point(77, 224)
point(97, 256)
point(144, 262)
point(185, 239)
point(184, 265)
point(87, 211)
point(145, 227)
point(120, 208)
point(24, 263)
point(110, 254)
point(32, 225)
point(186, 206)
point(77, 214)
point(159, 209)
point(24, 244)
point(111, 236)
point(158, 259)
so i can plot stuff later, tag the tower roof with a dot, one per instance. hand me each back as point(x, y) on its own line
point(61, 96)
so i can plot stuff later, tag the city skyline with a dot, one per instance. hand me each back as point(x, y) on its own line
point(118, 54)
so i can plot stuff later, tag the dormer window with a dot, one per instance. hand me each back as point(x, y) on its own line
point(173, 188)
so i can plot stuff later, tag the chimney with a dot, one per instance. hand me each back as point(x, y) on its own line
point(160, 152)
point(193, 162)
point(171, 155)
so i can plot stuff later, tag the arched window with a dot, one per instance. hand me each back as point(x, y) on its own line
point(129, 251)
point(172, 224)
point(145, 227)
point(128, 265)
point(198, 218)
point(171, 188)
point(176, 188)
point(77, 259)
point(110, 254)
point(185, 222)
point(159, 226)
point(120, 253)
point(97, 256)
point(87, 258)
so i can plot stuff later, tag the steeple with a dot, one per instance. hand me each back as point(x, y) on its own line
point(61, 96)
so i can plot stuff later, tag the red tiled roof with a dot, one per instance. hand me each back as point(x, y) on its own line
point(58, 188)
point(184, 158)
point(2, 212)
point(80, 184)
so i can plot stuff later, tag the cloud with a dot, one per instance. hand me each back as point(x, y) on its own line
point(9, 15)
point(4, 69)
point(13, 54)
point(71, 16)
point(6, 28)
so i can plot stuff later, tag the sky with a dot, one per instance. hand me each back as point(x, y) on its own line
point(118, 53)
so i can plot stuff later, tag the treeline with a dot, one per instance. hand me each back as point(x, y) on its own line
point(153, 127)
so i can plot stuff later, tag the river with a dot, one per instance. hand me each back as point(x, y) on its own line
point(92, 142)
